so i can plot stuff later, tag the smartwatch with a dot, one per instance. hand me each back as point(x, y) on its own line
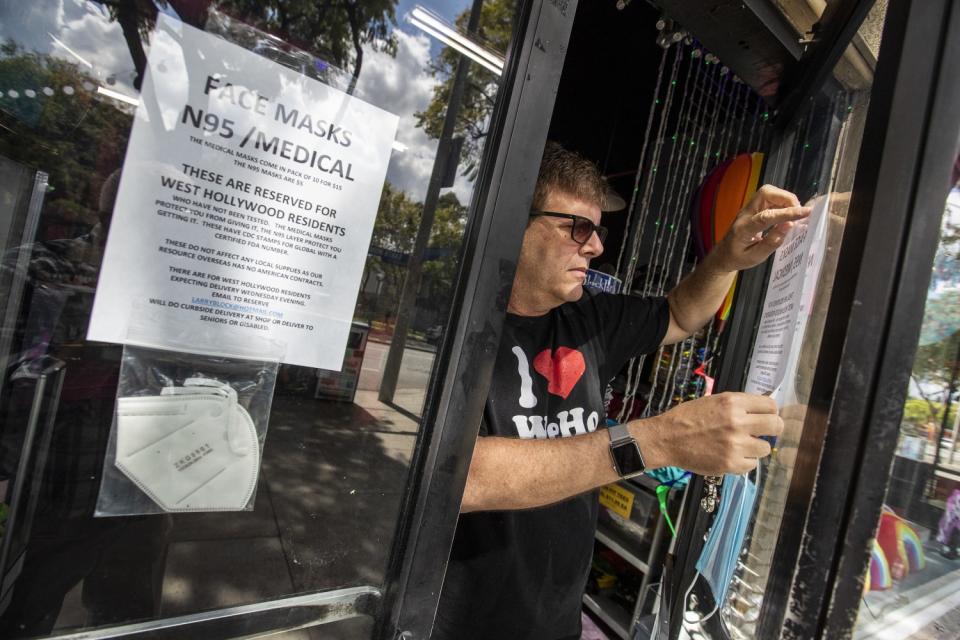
point(627, 460)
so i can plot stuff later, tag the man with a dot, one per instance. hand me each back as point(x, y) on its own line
point(524, 540)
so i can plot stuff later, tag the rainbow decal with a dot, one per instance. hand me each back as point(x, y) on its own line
point(879, 577)
point(714, 207)
point(900, 544)
point(912, 547)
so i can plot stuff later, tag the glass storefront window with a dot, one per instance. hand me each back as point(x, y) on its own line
point(78, 78)
point(912, 580)
point(822, 156)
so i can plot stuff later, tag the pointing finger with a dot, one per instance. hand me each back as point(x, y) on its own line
point(763, 220)
point(769, 195)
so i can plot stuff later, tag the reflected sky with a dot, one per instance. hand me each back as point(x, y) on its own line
point(82, 33)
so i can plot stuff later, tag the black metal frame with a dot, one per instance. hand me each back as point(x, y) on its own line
point(788, 171)
point(741, 330)
point(932, 175)
point(836, 28)
point(893, 226)
point(465, 360)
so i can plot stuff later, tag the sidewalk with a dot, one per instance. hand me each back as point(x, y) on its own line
point(331, 482)
point(330, 490)
point(924, 606)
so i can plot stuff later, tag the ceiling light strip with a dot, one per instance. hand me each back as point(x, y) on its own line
point(424, 17)
point(456, 45)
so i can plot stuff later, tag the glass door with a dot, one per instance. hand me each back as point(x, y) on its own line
point(866, 144)
point(280, 209)
point(881, 151)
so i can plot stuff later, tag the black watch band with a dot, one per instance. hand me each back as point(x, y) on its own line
point(625, 452)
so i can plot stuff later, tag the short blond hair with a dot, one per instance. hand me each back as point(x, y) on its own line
point(571, 173)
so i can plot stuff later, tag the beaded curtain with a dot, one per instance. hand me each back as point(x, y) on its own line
point(700, 115)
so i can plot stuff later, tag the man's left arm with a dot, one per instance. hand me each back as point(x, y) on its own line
point(757, 231)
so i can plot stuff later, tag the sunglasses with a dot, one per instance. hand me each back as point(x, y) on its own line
point(582, 228)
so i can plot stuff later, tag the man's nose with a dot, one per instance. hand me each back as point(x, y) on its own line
point(592, 247)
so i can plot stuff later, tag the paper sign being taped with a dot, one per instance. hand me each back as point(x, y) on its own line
point(787, 305)
point(246, 203)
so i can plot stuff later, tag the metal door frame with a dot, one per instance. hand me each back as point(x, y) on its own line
point(462, 380)
point(406, 604)
point(872, 326)
point(807, 78)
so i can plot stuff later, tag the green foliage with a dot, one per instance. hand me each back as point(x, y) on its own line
point(334, 30)
point(396, 227)
point(77, 139)
point(918, 412)
point(495, 30)
point(447, 236)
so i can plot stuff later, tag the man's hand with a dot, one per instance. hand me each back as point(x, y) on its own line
point(712, 435)
point(759, 228)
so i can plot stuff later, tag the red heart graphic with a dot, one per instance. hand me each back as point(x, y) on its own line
point(563, 369)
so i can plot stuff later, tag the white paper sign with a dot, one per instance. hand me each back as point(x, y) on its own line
point(786, 308)
point(247, 201)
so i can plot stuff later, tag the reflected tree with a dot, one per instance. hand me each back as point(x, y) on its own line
point(918, 412)
point(393, 233)
point(78, 139)
point(136, 18)
point(335, 29)
point(393, 237)
point(937, 362)
point(494, 30)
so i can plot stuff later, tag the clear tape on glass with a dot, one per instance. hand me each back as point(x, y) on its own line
point(189, 428)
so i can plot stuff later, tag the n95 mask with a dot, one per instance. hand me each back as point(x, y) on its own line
point(192, 448)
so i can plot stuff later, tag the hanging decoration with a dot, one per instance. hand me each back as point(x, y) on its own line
point(695, 172)
point(715, 205)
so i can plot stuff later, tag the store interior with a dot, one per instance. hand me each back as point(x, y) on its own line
point(659, 113)
point(680, 136)
point(665, 119)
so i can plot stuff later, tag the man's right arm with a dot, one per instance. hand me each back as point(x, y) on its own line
point(710, 436)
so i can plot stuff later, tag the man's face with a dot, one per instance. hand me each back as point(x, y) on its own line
point(553, 266)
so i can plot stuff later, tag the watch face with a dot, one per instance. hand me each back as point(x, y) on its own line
point(627, 458)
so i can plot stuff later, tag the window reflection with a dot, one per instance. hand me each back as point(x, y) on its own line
point(336, 458)
point(823, 150)
point(914, 569)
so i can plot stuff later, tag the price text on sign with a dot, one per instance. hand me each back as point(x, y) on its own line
point(617, 499)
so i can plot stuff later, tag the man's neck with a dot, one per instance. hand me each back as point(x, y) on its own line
point(520, 305)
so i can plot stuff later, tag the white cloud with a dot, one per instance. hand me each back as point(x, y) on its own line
point(403, 85)
point(83, 27)
point(100, 41)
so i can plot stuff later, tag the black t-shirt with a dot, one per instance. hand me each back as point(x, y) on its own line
point(521, 574)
